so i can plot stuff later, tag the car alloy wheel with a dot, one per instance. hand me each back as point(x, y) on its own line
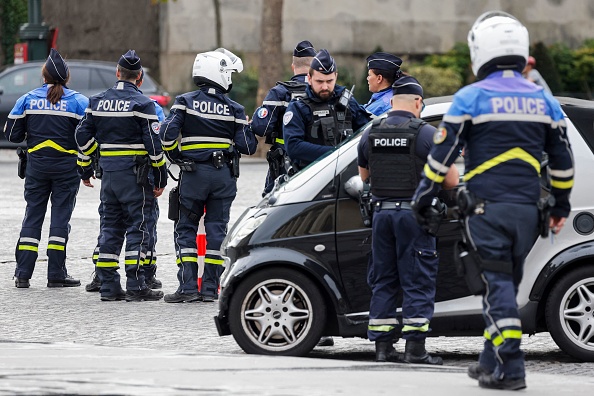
point(277, 311)
point(570, 313)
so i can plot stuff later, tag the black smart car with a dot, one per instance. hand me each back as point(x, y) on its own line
point(296, 263)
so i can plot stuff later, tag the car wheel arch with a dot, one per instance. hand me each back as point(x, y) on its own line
point(568, 260)
point(329, 292)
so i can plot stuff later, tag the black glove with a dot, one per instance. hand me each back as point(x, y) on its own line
point(430, 217)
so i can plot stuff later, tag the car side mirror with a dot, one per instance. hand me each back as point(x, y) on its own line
point(354, 187)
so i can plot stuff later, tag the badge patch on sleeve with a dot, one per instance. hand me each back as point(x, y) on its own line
point(156, 127)
point(287, 117)
point(262, 112)
point(440, 135)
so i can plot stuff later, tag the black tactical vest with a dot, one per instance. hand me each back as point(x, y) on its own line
point(329, 125)
point(295, 90)
point(393, 165)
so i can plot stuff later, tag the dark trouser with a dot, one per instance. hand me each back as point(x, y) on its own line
point(505, 232)
point(404, 257)
point(214, 190)
point(150, 262)
point(127, 208)
point(39, 188)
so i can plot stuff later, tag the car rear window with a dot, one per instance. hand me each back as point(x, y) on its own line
point(583, 119)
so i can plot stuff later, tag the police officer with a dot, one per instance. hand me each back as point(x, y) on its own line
point(122, 124)
point(267, 119)
point(150, 262)
point(505, 123)
point(391, 155)
point(382, 70)
point(315, 124)
point(46, 119)
point(214, 130)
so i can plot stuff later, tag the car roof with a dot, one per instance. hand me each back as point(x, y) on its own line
point(70, 62)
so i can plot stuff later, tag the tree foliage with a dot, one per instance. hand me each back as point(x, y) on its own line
point(436, 81)
point(13, 13)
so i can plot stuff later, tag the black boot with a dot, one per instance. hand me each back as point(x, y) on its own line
point(95, 284)
point(385, 352)
point(415, 352)
point(475, 370)
point(490, 382)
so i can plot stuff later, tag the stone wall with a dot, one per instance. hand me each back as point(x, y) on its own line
point(105, 29)
point(351, 29)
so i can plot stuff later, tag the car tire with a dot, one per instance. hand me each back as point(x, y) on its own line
point(277, 312)
point(570, 313)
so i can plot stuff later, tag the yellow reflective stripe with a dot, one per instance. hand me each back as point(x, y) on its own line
point(107, 264)
point(515, 153)
point(281, 141)
point(52, 144)
point(55, 247)
point(562, 184)
point(149, 261)
point(487, 335)
point(384, 328)
point(158, 164)
point(192, 259)
point(423, 328)
point(132, 262)
point(123, 152)
point(28, 247)
point(507, 334)
point(91, 149)
point(169, 148)
point(213, 261)
point(205, 145)
point(432, 175)
point(83, 163)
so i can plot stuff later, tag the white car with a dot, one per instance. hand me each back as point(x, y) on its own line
point(297, 262)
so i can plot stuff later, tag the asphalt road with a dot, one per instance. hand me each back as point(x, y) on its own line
point(72, 315)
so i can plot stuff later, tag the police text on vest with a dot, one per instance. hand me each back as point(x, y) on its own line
point(393, 142)
point(518, 105)
point(44, 104)
point(210, 107)
point(113, 105)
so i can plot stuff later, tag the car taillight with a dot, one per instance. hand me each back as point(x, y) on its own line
point(163, 100)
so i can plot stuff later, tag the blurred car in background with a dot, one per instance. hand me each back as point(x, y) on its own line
point(86, 76)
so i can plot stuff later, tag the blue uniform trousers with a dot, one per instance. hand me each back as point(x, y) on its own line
point(150, 262)
point(505, 232)
point(127, 208)
point(214, 190)
point(39, 188)
point(404, 257)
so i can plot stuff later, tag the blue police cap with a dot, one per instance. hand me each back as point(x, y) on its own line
point(407, 85)
point(304, 49)
point(130, 61)
point(384, 61)
point(56, 66)
point(323, 62)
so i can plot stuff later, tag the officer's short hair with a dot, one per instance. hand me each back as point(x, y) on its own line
point(300, 62)
point(127, 74)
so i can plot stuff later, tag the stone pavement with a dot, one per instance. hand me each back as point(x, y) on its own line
point(66, 341)
point(73, 369)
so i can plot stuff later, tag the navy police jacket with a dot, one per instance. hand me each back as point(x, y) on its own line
point(505, 123)
point(121, 124)
point(297, 123)
point(208, 121)
point(47, 128)
point(268, 118)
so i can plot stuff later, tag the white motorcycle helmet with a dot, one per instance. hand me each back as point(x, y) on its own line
point(497, 40)
point(215, 68)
